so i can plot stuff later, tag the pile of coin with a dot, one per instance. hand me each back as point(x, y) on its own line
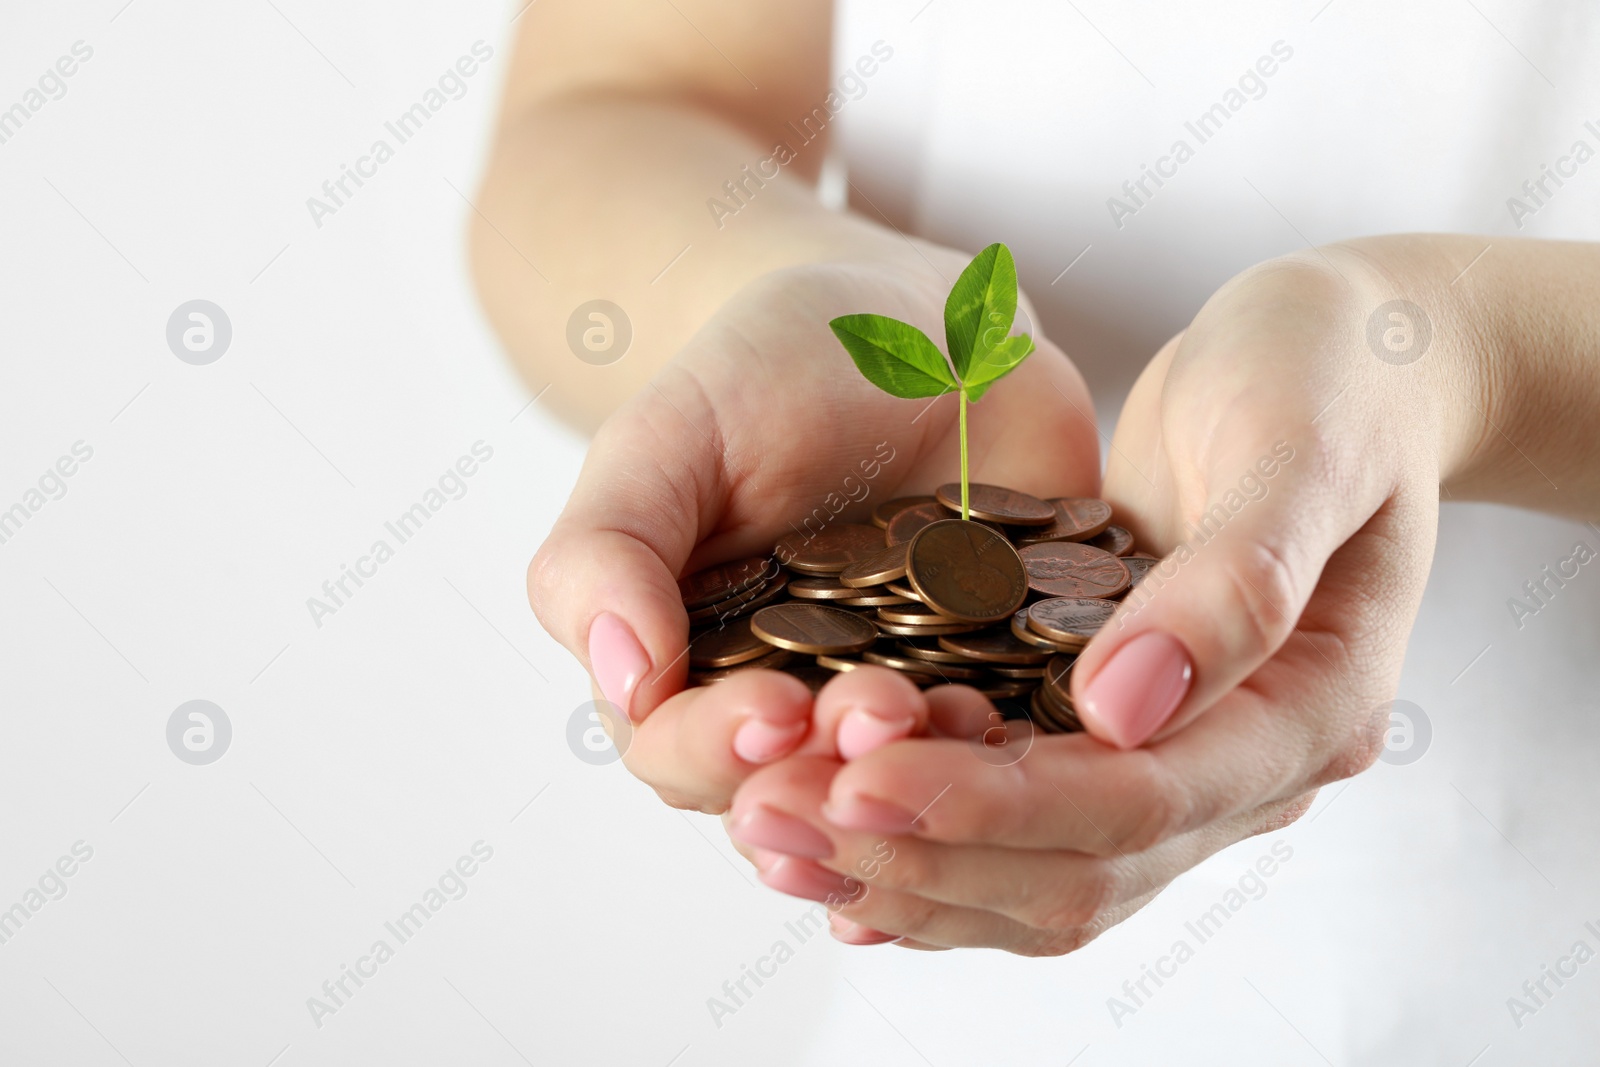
point(1003, 601)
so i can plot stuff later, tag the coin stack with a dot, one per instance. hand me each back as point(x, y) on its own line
point(1002, 602)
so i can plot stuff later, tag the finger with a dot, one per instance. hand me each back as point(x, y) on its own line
point(604, 583)
point(864, 709)
point(700, 744)
point(1228, 594)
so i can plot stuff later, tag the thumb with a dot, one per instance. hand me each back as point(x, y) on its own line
point(1220, 604)
point(604, 582)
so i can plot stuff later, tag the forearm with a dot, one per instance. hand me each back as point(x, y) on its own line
point(1514, 362)
point(608, 197)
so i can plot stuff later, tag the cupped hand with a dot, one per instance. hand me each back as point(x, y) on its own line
point(760, 424)
point(1290, 475)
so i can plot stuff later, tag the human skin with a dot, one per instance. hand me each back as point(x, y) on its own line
point(1257, 670)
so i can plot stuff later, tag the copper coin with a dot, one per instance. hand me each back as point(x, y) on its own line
point(914, 614)
point(813, 628)
point(756, 598)
point(885, 565)
point(997, 504)
point(822, 589)
point(903, 588)
point(1068, 620)
point(995, 645)
point(1007, 688)
point(906, 522)
point(1017, 672)
point(1050, 718)
point(726, 646)
point(839, 664)
point(724, 581)
point(1114, 539)
point(1076, 518)
point(775, 659)
point(1138, 566)
point(890, 508)
point(829, 550)
point(900, 629)
point(1022, 632)
point(911, 665)
point(1062, 568)
point(1058, 679)
point(926, 648)
point(871, 599)
point(967, 571)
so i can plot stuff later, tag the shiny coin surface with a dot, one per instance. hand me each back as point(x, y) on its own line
point(1017, 672)
point(1063, 568)
point(1069, 620)
point(997, 504)
point(995, 645)
point(1114, 539)
point(815, 629)
point(903, 588)
point(725, 646)
point(914, 614)
point(966, 571)
point(1024, 633)
point(744, 604)
point(829, 550)
point(870, 599)
point(725, 581)
point(883, 566)
point(776, 658)
point(926, 648)
point(1058, 679)
point(948, 672)
point(822, 588)
point(900, 629)
point(839, 663)
point(1076, 518)
point(1006, 688)
point(905, 524)
point(890, 508)
point(1138, 566)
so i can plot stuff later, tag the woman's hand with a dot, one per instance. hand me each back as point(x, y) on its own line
point(760, 424)
point(1290, 469)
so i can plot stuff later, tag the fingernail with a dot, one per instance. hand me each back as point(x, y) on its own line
point(617, 659)
point(769, 828)
point(804, 879)
point(1135, 693)
point(860, 731)
point(759, 741)
point(876, 816)
point(856, 934)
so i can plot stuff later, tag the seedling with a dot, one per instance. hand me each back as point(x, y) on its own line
point(901, 360)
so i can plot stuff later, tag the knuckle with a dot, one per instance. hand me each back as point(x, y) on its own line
point(1055, 942)
point(1358, 750)
point(1261, 588)
point(1161, 808)
point(902, 866)
point(1284, 813)
point(1074, 902)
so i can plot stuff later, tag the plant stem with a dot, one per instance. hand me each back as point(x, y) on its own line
point(965, 514)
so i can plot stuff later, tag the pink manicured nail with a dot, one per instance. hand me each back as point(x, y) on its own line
point(804, 879)
point(860, 731)
point(875, 816)
point(617, 659)
point(1135, 693)
point(769, 828)
point(855, 934)
point(759, 741)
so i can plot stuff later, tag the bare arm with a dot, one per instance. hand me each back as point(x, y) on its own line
point(620, 121)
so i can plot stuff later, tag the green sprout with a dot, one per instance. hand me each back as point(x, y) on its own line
point(900, 359)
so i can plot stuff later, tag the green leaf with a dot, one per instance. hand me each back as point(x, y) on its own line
point(996, 363)
point(895, 356)
point(983, 300)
